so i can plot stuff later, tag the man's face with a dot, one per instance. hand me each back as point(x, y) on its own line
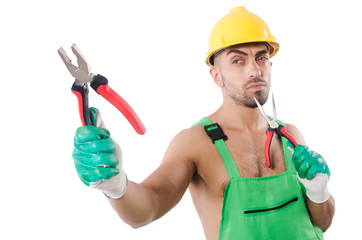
point(244, 72)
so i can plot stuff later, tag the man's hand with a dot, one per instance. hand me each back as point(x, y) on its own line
point(313, 173)
point(98, 159)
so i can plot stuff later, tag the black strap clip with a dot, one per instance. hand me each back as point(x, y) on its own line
point(215, 132)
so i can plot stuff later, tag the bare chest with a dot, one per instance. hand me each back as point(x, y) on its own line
point(248, 155)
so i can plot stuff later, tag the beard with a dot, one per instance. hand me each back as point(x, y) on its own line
point(241, 97)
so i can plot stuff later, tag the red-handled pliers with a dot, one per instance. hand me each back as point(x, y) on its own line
point(83, 76)
point(273, 127)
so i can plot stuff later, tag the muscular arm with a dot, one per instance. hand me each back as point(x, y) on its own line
point(162, 190)
point(322, 214)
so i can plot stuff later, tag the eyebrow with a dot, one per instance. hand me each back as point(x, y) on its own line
point(237, 52)
point(261, 52)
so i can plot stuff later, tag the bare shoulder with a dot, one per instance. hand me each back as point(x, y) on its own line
point(187, 141)
point(294, 131)
point(190, 133)
point(178, 165)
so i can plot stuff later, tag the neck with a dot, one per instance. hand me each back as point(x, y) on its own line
point(237, 116)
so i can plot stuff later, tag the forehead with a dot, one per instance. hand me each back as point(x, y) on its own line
point(249, 47)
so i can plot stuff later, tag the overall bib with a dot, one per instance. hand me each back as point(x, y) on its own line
point(261, 208)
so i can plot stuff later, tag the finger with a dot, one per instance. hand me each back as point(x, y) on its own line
point(93, 114)
point(320, 167)
point(107, 173)
point(310, 170)
point(86, 173)
point(96, 117)
point(90, 174)
point(88, 133)
point(300, 149)
point(96, 146)
point(299, 156)
point(304, 168)
point(100, 159)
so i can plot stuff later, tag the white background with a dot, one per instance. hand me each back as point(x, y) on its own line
point(153, 54)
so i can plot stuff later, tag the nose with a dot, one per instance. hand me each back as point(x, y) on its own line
point(254, 69)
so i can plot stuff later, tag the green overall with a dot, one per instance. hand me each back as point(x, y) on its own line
point(261, 208)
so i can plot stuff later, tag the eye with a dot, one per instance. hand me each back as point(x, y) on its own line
point(237, 61)
point(262, 58)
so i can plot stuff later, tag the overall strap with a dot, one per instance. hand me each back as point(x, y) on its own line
point(218, 137)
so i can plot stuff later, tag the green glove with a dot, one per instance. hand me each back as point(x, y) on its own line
point(309, 163)
point(313, 172)
point(98, 159)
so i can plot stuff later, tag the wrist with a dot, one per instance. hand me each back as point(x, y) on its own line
point(318, 197)
point(316, 188)
point(119, 190)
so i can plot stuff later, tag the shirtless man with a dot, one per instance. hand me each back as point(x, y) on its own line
point(235, 194)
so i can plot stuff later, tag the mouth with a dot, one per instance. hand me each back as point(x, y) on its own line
point(256, 86)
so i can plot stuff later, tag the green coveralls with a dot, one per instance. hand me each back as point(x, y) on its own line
point(261, 208)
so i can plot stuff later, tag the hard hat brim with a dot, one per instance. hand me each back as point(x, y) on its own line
point(273, 49)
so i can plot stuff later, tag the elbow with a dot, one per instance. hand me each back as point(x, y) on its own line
point(136, 225)
point(325, 227)
point(135, 218)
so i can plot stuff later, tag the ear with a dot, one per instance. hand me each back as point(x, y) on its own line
point(216, 76)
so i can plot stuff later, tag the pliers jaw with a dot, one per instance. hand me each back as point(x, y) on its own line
point(81, 73)
point(273, 127)
point(272, 122)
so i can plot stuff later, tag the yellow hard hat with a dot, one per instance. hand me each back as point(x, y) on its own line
point(237, 27)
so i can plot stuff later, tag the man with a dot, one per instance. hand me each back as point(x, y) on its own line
point(235, 194)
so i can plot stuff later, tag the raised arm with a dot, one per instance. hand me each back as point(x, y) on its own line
point(98, 162)
point(314, 174)
point(162, 190)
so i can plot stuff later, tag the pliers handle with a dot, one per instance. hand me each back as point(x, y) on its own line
point(81, 92)
point(100, 85)
point(83, 76)
point(281, 132)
